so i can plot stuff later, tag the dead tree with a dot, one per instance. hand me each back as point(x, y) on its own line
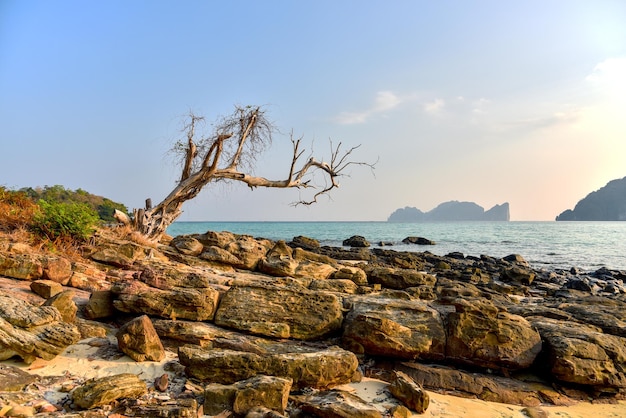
point(225, 155)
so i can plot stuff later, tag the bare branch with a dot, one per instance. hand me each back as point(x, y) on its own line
point(237, 140)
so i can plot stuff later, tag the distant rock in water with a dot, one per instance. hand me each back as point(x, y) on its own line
point(452, 211)
point(605, 204)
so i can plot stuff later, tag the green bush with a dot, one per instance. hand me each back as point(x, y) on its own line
point(65, 220)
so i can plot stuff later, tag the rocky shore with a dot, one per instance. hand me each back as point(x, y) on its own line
point(245, 326)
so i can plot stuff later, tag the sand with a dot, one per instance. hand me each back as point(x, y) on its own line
point(82, 360)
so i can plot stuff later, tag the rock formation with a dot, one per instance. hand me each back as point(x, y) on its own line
point(606, 204)
point(273, 328)
point(452, 211)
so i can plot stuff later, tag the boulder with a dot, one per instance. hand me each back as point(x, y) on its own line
point(313, 270)
point(100, 305)
point(46, 288)
point(33, 331)
point(518, 275)
point(356, 241)
point(20, 266)
point(240, 397)
point(64, 302)
point(139, 340)
point(218, 255)
point(311, 367)
point(103, 391)
point(418, 241)
point(14, 379)
point(183, 303)
point(278, 261)
point(479, 334)
point(187, 245)
point(584, 355)
point(57, 269)
point(405, 329)
point(304, 242)
point(355, 274)
point(248, 250)
point(280, 312)
point(338, 285)
point(397, 278)
point(410, 393)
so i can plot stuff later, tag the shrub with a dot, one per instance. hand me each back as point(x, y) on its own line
point(16, 210)
point(65, 220)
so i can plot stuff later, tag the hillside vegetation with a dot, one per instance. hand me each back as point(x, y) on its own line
point(54, 214)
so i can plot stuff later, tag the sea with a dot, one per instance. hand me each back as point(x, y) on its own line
point(545, 245)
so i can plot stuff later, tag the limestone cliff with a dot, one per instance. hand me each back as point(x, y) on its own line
point(452, 211)
point(605, 204)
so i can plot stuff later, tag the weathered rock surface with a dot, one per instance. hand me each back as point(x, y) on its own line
point(103, 391)
point(30, 332)
point(479, 334)
point(583, 354)
point(410, 393)
point(396, 278)
point(335, 404)
point(280, 312)
point(139, 340)
point(197, 304)
point(267, 391)
point(406, 329)
point(321, 369)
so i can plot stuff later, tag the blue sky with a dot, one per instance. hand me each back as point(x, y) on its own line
point(484, 101)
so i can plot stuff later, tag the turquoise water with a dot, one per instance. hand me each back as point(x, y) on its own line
point(588, 245)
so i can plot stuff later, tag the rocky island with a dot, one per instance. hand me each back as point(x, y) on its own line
point(256, 328)
point(452, 211)
point(606, 204)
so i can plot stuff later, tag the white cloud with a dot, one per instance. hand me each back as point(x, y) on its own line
point(435, 107)
point(385, 101)
point(610, 73)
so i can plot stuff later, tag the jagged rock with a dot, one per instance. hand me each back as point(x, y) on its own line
point(309, 368)
point(249, 250)
point(280, 312)
point(395, 278)
point(103, 391)
point(356, 241)
point(171, 277)
point(88, 278)
point(187, 245)
point(139, 340)
point(20, 266)
point(46, 288)
point(479, 334)
point(64, 302)
point(57, 269)
point(518, 275)
point(314, 270)
point(409, 392)
point(183, 303)
point(100, 305)
point(406, 329)
point(583, 354)
point(335, 404)
point(418, 241)
point(278, 261)
point(304, 242)
point(240, 397)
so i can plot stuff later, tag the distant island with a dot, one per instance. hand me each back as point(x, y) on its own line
point(605, 204)
point(452, 211)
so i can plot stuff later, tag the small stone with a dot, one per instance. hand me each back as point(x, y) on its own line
point(162, 382)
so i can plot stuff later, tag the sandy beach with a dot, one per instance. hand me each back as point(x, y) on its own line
point(84, 360)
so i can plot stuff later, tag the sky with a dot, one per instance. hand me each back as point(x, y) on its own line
point(472, 100)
